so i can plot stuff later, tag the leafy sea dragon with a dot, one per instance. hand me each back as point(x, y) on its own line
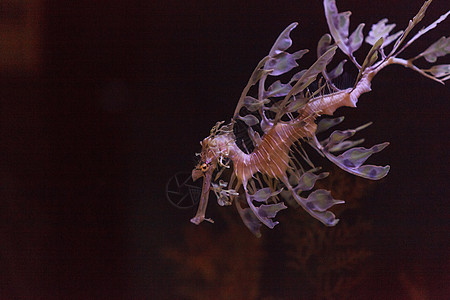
point(283, 117)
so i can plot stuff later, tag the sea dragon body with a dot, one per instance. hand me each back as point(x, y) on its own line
point(273, 168)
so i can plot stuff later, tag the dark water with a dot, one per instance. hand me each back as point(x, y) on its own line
point(125, 92)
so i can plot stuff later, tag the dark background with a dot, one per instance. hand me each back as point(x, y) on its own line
point(126, 91)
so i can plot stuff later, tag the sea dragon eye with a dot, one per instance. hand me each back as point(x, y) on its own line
point(204, 167)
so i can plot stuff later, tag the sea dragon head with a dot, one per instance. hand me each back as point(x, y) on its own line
point(215, 151)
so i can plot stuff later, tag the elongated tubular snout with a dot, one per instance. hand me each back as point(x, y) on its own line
point(200, 215)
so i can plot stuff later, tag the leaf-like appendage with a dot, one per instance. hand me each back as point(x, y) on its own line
point(308, 180)
point(297, 103)
point(283, 41)
point(271, 210)
point(338, 23)
point(265, 213)
point(355, 157)
point(439, 48)
point(326, 124)
point(344, 145)
point(324, 44)
point(371, 172)
point(440, 70)
point(250, 120)
point(356, 39)
point(327, 217)
point(338, 136)
point(278, 89)
point(259, 72)
point(264, 194)
point(371, 57)
point(336, 72)
point(253, 104)
point(283, 62)
point(321, 200)
point(297, 76)
point(381, 30)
